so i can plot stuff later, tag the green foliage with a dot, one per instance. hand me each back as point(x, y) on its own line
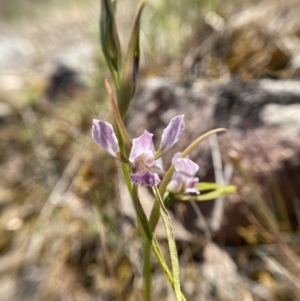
point(110, 40)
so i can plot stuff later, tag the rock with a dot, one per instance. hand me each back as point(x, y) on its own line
point(262, 117)
point(63, 80)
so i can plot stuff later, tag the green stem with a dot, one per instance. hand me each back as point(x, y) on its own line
point(146, 270)
point(125, 168)
point(171, 242)
point(152, 241)
point(146, 245)
point(168, 199)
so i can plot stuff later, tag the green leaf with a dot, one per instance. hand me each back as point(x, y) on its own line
point(109, 39)
point(210, 195)
point(204, 186)
point(131, 64)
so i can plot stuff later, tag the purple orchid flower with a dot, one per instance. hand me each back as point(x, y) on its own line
point(183, 180)
point(142, 155)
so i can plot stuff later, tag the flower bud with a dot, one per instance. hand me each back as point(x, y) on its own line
point(109, 39)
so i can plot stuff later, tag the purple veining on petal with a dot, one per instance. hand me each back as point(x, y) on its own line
point(146, 178)
point(172, 133)
point(193, 182)
point(191, 186)
point(142, 145)
point(104, 135)
point(183, 180)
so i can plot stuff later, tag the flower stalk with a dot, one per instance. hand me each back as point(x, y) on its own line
point(171, 242)
point(138, 156)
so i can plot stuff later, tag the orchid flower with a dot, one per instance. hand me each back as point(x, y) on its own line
point(183, 180)
point(142, 155)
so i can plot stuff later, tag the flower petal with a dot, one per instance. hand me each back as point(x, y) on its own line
point(183, 180)
point(191, 186)
point(172, 133)
point(159, 164)
point(176, 184)
point(104, 135)
point(141, 145)
point(192, 182)
point(175, 157)
point(146, 178)
point(192, 190)
point(186, 166)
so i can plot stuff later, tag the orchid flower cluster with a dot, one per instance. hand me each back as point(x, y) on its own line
point(143, 156)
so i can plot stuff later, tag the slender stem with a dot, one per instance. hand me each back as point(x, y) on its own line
point(168, 199)
point(151, 238)
point(147, 270)
point(146, 245)
point(171, 242)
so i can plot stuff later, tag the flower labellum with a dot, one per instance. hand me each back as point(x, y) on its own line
point(142, 158)
point(146, 178)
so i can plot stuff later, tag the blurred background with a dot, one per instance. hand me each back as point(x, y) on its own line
point(67, 227)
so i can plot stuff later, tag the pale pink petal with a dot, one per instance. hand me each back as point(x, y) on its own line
point(146, 178)
point(183, 180)
point(192, 182)
point(104, 135)
point(172, 133)
point(175, 157)
point(176, 184)
point(141, 145)
point(186, 166)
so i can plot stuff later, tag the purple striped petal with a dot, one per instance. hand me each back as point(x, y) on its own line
point(183, 180)
point(186, 166)
point(142, 145)
point(104, 135)
point(146, 178)
point(172, 133)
